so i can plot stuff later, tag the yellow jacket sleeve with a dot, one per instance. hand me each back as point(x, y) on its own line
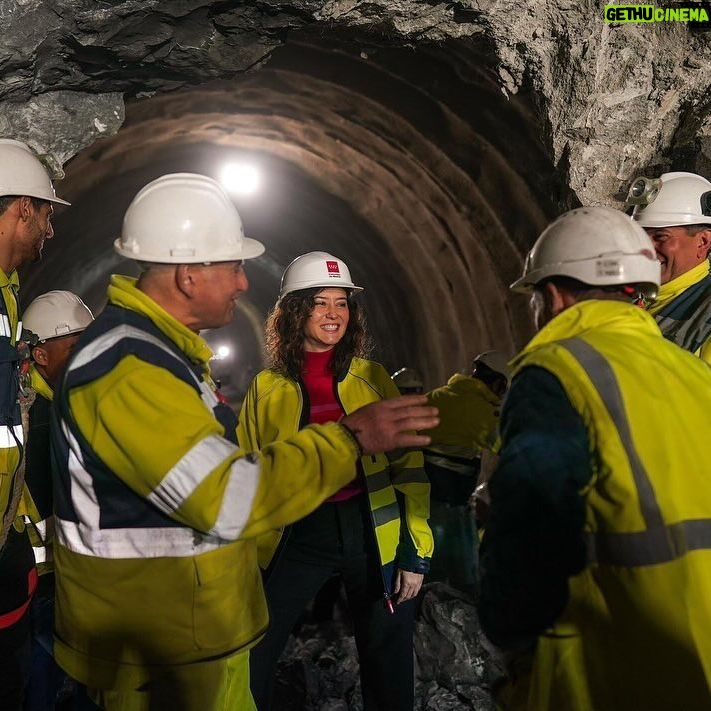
point(240, 496)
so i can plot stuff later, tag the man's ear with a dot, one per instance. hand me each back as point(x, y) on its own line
point(185, 279)
point(703, 241)
point(39, 355)
point(557, 298)
point(25, 208)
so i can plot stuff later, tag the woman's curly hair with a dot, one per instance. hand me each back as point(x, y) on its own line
point(284, 335)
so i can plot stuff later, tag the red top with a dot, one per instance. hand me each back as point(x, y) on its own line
point(319, 383)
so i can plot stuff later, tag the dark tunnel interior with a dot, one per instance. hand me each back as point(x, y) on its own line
point(411, 164)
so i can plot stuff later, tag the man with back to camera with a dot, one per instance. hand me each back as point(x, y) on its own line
point(596, 554)
point(675, 211)
point(159, 594)
point(26, 206)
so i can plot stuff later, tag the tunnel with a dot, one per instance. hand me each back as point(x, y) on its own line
point(408, 162)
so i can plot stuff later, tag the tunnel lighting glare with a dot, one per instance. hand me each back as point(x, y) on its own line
point(241, 178)
point(222, 352)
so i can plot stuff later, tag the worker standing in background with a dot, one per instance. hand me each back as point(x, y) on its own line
point(595, 559)
point(469, 416)
point(159, 595)
point(675, 211)
point(373, 532)
point(26, 206)
point(56, 319)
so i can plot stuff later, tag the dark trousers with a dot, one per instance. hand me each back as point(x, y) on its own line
point(338, 538)
point(14, 668)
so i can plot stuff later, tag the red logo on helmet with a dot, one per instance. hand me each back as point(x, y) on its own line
point(333, 268)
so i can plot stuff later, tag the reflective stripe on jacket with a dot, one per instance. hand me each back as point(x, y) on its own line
point(637, 630)
point(156, 509)
point(398, 490)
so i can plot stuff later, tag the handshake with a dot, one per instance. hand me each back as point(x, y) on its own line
point(391, 424)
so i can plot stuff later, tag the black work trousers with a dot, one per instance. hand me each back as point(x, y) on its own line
point(338, 538)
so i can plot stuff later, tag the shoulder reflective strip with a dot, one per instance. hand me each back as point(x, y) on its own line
point(8, 440)
point(604, 380)
point(385, 514)
point(109, 339)
point(192, 469)
point(135, 543)
point(650, 547)
point(238, 498)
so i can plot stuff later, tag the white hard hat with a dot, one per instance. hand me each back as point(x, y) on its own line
point(22, 173)
point(670, 200)
point(598, 246)
point(55, 314)
point(184, 218)
point(496, 361)
point(316, 269)
point(407, 379)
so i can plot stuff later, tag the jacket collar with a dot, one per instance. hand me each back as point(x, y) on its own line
point(589, 315)
point(12, 280)
point(40, 385)
point(122, 292)
point(669, 291)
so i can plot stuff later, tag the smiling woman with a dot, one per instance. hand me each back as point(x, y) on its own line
point(373, 533)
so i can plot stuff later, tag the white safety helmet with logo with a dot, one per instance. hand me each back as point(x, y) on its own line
point(597, 246)
point(56, 314)
point(184, 218)
point(23, 174)
point(670, 200)
point(316, 269)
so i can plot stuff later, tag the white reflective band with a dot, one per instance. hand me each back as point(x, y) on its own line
point(182, 480)
point(41, 554)
point(7, 441)
point(5, 329)
point(82, 484)
point(114, 543)
point(238, 498)
point(18, 334)
point(110, 338)
point(41, 528)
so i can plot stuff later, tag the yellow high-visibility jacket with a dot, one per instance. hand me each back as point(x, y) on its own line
point(683, 310)
point(156, 509)
point(273, 410)
point(636, 633)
